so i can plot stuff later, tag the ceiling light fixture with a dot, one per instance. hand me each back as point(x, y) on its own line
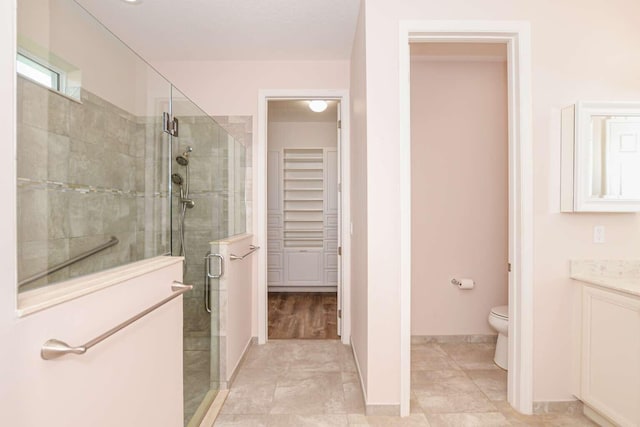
point(132, 1)
point(317, 105)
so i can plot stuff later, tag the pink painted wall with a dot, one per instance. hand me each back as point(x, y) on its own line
point(581, 50)
point(359, 244)
point(459, 193)
point(230, 88)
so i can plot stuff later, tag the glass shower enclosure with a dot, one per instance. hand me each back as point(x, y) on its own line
point(104, 181)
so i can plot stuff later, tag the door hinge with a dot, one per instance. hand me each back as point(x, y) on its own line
point(340, 250)
point(169, 125)
point(509, 267)
point(339, 313)
point(339, 124)
point(340, 188)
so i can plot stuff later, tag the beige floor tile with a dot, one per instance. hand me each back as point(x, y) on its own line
point(492, 382)
point(225, 420)
point(422, 379)
point(309, 393)
point(246, 399)
point(450, 403)
point(516, 418)
point(288, 420)
point(427, 350)
point(433, 363)
point(453, 386)
point(248, 376)
point(489, 419)
point(414, 420)
point(577, 420)
point(353, 401)
point(471, 355)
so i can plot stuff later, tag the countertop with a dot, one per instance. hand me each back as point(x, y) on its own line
point(618, 275)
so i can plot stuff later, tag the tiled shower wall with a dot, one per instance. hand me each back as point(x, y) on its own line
point(82, 179)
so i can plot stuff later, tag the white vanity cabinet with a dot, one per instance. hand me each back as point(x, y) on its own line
point(610, 355)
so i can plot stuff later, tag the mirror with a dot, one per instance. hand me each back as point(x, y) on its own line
point(601, 157)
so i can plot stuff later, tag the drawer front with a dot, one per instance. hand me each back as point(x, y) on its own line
point(274, 233)
point(331, 233)
point(331, 261)
point(331, 277)
point(274, 277)
point(331, 246)
point(303, 267)
point(274, 245)
point(331, 220)
point(274, 220)
point(274, 261)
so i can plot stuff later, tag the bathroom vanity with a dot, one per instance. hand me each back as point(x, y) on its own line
point(608, 340)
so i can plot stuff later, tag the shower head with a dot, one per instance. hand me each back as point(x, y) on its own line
point(177, 179)
point(183, 159)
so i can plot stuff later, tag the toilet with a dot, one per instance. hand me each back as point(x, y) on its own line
point(499, 320)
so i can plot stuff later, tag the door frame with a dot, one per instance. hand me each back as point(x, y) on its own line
point(516, 35)
point(264, 96)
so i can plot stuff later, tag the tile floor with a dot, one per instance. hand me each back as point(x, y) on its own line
point(300, 383)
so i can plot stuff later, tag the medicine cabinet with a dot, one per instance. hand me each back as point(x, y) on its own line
point(601, 157)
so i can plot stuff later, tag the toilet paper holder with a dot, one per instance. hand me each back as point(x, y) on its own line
point(464, 283)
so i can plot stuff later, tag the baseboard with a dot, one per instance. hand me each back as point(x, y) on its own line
point(372, 409)
point(381, 410)
point(595, 416)
point(568, 407)
point(225, 385)
point(452, 339)
point(355, 358)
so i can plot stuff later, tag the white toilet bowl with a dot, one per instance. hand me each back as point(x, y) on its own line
point(499, 320)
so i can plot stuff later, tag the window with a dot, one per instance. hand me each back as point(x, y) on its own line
point(40, 73)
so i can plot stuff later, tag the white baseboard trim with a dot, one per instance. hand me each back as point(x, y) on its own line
point(568, 407)
point(226, 384)
point(595, 416)
point(447, 339)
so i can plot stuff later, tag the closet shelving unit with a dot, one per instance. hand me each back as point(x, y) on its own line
point(303, 198)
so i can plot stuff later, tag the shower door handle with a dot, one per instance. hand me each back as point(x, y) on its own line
point(208, 276)
point(220, 265)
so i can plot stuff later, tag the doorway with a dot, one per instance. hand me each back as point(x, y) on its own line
point(516, 37)
point(460, 210)
point(303, 285)
point(302, 219)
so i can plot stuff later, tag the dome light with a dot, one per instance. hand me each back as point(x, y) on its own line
point(318, 105)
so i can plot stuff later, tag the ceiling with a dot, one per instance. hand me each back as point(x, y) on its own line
point(197, 30)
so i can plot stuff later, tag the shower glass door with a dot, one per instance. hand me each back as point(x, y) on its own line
point(199, 216)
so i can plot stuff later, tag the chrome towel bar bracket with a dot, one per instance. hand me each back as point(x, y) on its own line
point(54, 348)
point(252, 249)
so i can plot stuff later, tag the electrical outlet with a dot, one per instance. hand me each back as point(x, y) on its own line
point(598, 234)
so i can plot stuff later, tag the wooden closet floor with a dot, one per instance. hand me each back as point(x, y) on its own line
point(303, 315)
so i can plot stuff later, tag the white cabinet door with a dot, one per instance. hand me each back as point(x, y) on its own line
point(611, 355)
point(303, 267)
